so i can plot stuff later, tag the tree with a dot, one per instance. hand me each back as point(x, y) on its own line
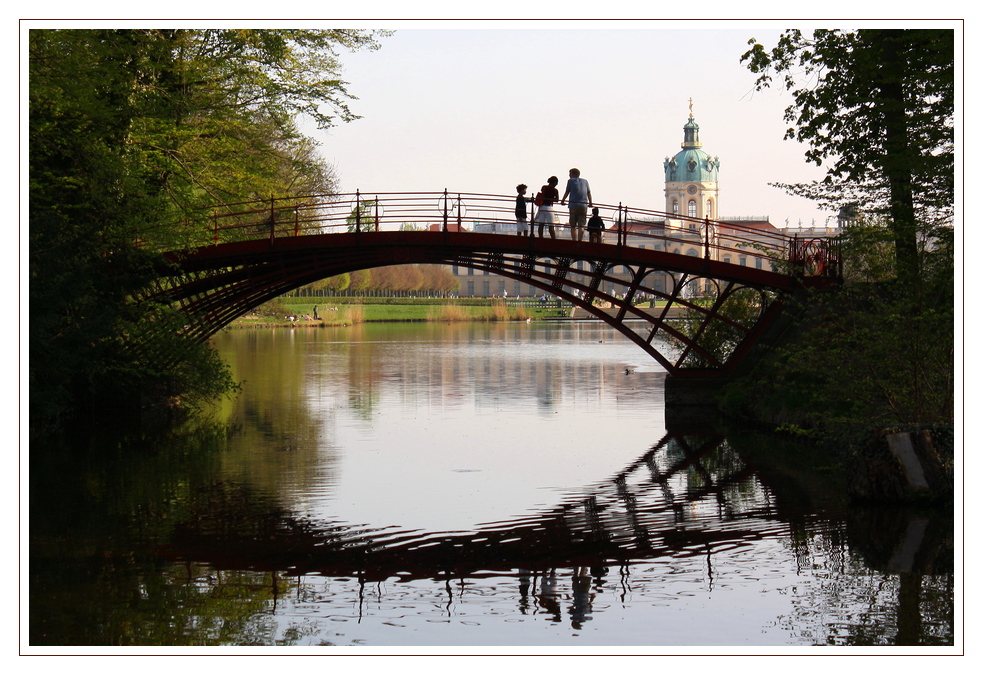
point(877, 104)
point(334, 284)
point(89, 197)
point(359, 280)
point(362, 218)
point(718, 337)
point(219, 120)
point(438, 278)
point(132, 131)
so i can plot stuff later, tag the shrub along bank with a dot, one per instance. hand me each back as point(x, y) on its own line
point(867, 371)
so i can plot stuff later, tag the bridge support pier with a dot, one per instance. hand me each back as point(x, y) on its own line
point(691, 403)
point(693, 391)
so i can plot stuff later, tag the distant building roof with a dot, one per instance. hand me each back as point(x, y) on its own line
point(726, 223)
point(747, 225)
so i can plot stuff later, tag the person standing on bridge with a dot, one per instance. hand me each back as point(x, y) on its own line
point(580, 198)
point(548, 194)
point(521, 218)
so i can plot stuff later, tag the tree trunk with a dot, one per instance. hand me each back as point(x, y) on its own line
point(897, 160)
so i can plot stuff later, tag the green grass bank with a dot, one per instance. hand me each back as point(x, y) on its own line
point(337, 311)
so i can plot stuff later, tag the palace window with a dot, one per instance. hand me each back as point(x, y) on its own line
point(691, 208)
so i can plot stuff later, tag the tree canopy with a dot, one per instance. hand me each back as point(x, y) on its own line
point(876, 107)
point(132, 132)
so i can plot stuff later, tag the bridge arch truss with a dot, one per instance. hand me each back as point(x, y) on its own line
point(687, 333)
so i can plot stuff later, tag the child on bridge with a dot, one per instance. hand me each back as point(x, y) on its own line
point(595, 227)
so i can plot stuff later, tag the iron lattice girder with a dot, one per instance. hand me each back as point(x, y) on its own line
point(215, 284)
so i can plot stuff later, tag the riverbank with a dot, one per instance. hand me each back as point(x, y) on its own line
point(330, 311)
point(326, 311)
point(855, 374)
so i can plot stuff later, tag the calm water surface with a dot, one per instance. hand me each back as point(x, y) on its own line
point(467, 485)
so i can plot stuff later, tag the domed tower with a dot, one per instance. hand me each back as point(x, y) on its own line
point(691, 177)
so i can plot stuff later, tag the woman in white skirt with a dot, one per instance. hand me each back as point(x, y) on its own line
point(548, 194)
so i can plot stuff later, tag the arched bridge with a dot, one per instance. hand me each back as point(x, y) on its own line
point(694, 294)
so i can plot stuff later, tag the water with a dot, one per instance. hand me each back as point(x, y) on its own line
point(462, 486)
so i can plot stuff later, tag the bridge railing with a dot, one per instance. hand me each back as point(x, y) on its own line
point(276, 218)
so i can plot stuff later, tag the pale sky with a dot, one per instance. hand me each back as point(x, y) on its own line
point(479, 106)
point(480, 110)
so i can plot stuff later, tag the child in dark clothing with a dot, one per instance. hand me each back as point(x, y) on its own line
point(521, 219)
point(595, 226)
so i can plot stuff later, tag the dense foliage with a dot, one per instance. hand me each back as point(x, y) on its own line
point(877, 105)
point(131, 132)
point(875, 353)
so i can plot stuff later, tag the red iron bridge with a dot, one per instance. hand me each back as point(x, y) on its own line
point(669, 283)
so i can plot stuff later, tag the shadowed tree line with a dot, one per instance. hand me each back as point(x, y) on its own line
point(394, 278)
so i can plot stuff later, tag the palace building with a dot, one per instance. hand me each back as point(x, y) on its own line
point(691, 176)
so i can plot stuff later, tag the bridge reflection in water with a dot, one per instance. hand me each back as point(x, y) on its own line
point(691, 496)
point(641, 513)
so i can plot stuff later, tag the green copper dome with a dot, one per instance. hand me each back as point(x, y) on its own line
point(691, 163)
